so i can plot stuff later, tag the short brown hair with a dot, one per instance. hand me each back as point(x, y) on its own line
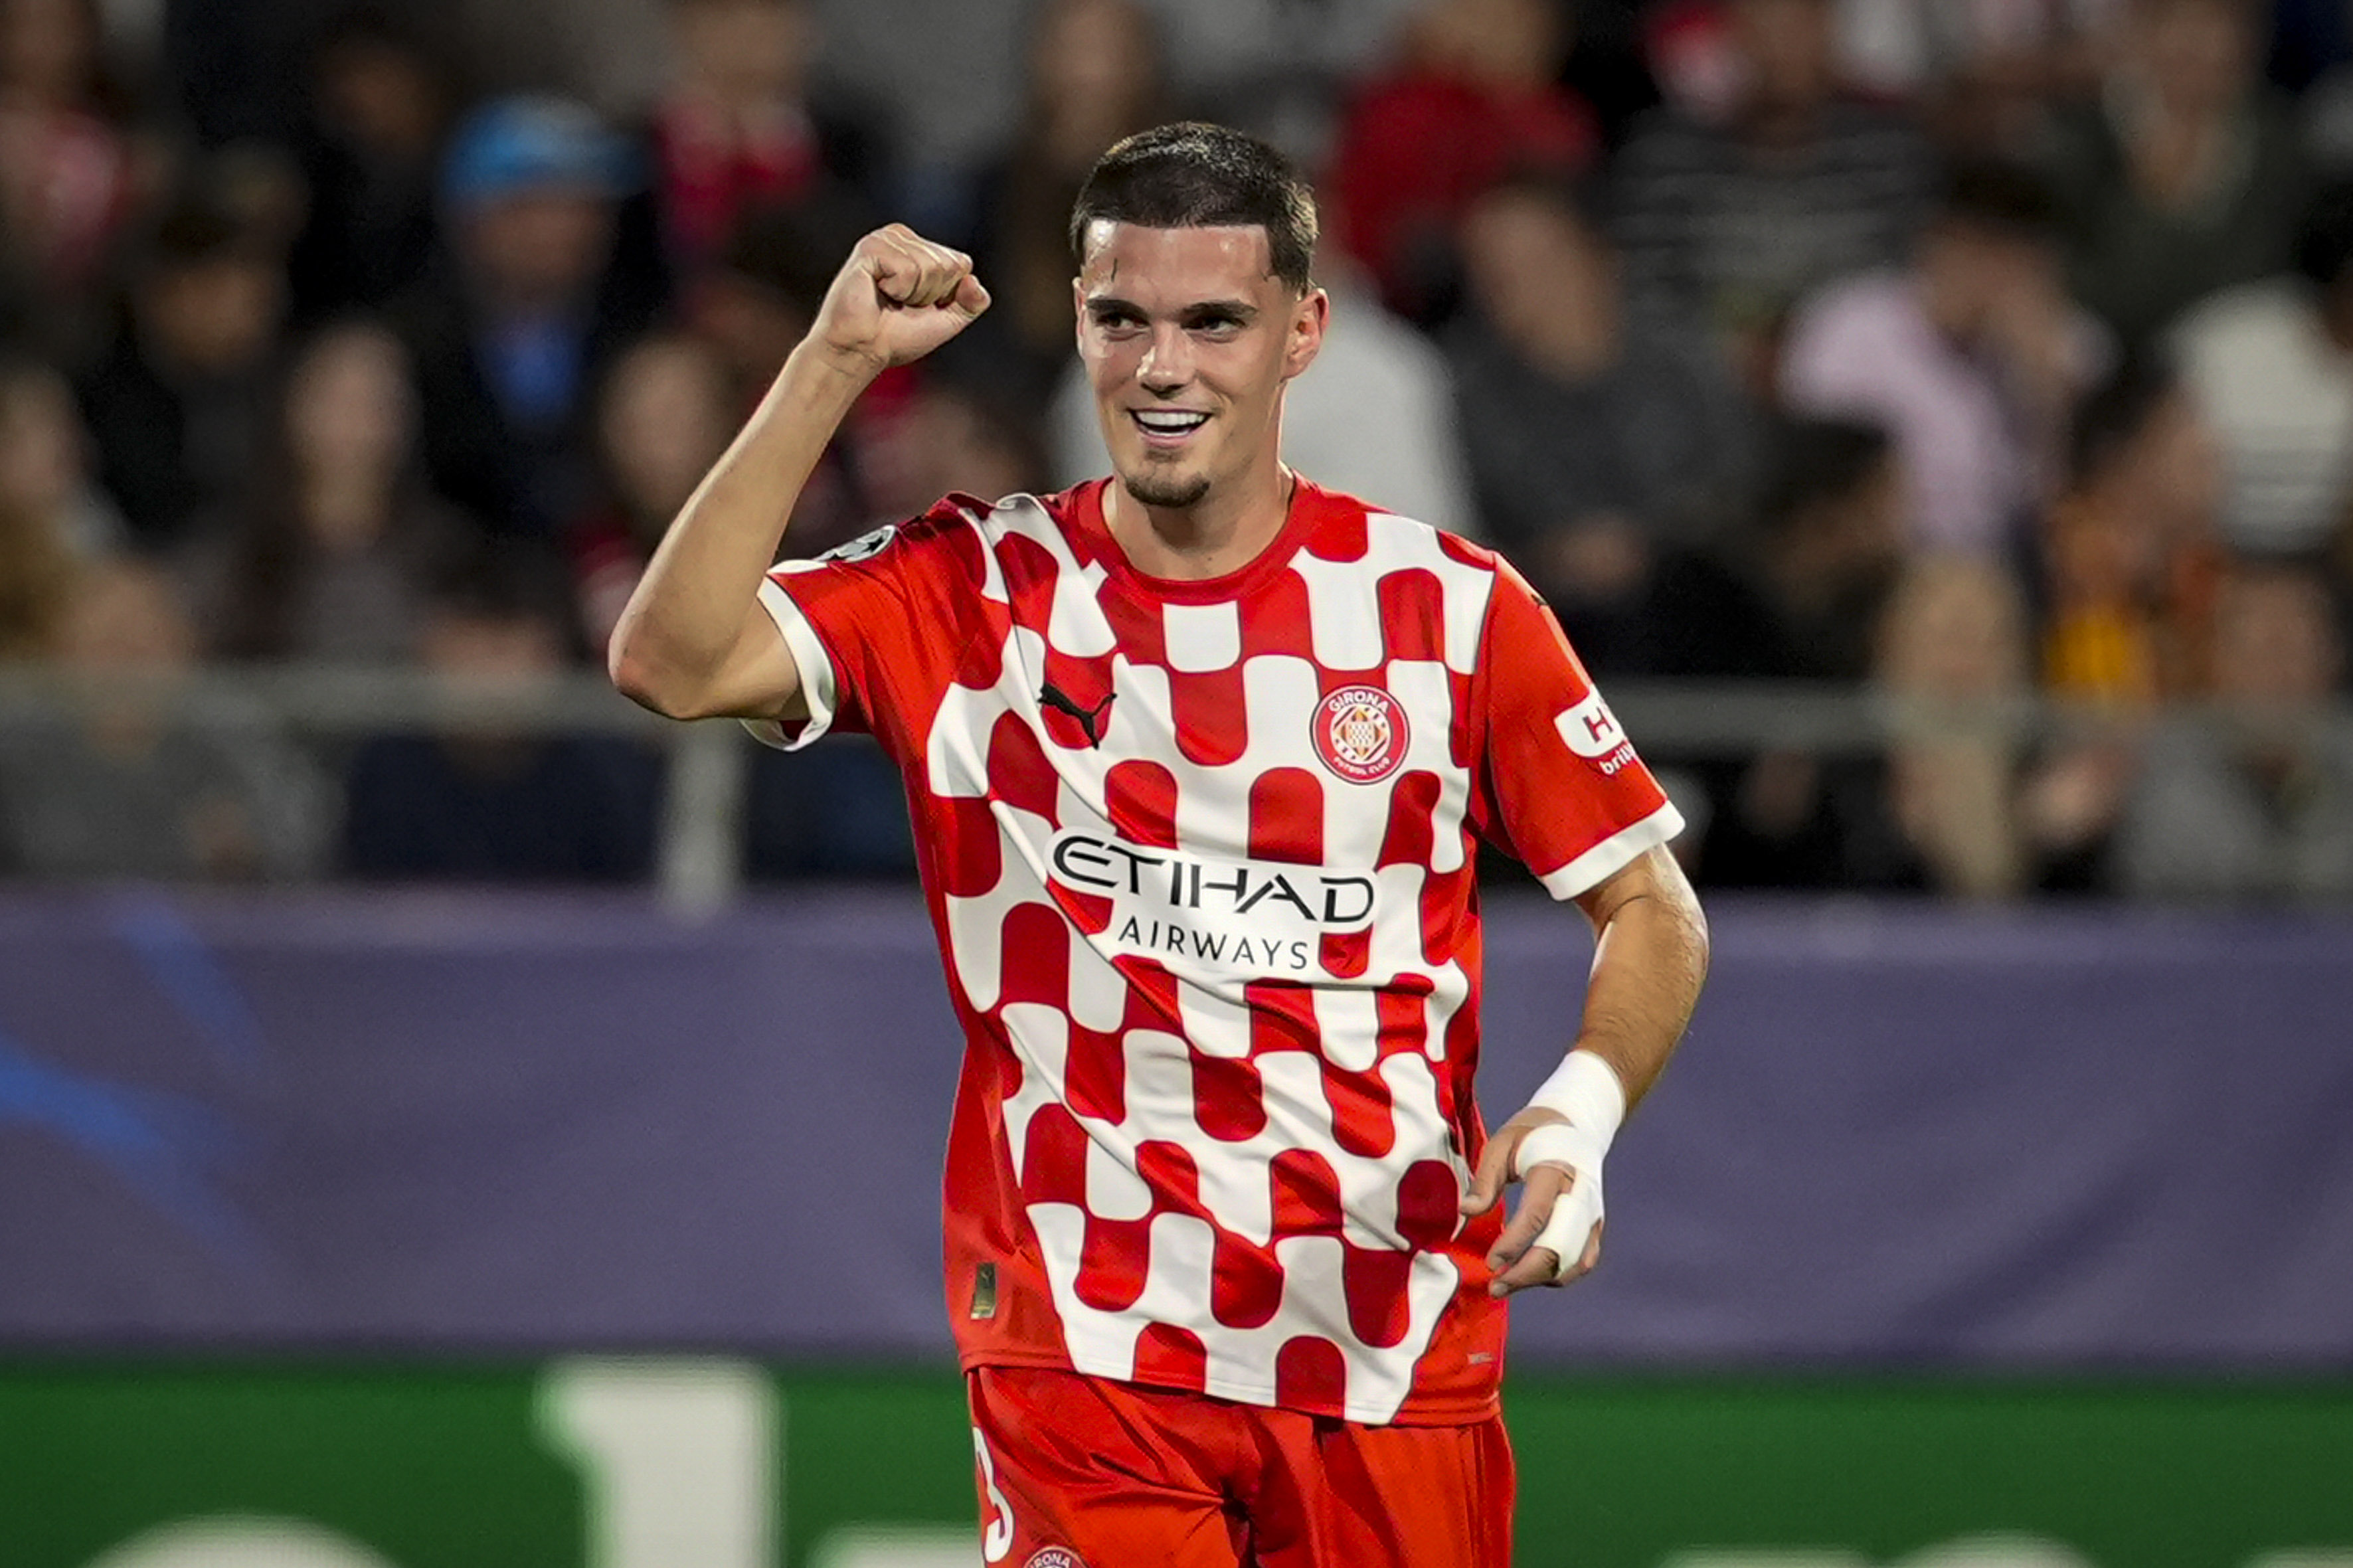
point(1194, 174)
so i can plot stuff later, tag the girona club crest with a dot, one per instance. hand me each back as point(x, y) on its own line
point(1360, 733)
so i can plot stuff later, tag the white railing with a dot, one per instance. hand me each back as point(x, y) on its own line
point(702, 833)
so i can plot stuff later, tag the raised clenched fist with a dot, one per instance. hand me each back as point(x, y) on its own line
point(896, 299)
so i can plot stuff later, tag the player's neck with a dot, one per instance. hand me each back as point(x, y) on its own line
point(1222, 532)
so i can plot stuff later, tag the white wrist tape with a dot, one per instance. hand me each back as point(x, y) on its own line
point(1585, 1089)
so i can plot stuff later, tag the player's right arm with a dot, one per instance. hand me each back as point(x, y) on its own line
point(694, 642)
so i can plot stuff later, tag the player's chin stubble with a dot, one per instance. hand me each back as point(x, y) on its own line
point(1166, 490)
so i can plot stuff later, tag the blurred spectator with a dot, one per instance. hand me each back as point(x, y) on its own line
point(512, 333)
point(380, 100)
point(328, 552)
point(1796, 598)
point(955, 78)
point(756, 305)
point(1987, 73)
point(2326, 102)
point(954, 441)
point(2308, 38)
point(663, 418)
point(2129, 548)
point(1978, 811)
point(1979, 808)
point(2184, 176)
point(826, 812)
point(1094, 77)
point(1958, 802)
point(1689, 48)
point(2259, 803)
point(739, 128)
point(2271, 365)
point(1594, 440)
point(1726, 223)
point(1271, 66)
point(2128, 559)
point(131, 787)
point(1475, 96)
point(764, 289)
point(38, 565)
point(1373, 416)
point(259, 186)
point(131, 35)
point(1952, 644)
point(609, 54)
point(476, 800)
point(36, 577)
point(45, 457)
point(1609, 68)
point(177, 407)
point(68, 173)
point(235, 67)
point(1972, 357)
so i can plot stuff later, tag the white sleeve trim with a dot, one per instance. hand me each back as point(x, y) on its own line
point(809, 658)
point(1614, 853)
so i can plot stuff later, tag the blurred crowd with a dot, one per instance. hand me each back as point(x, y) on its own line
point(1949, 351)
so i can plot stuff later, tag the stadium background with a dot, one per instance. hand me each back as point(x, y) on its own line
point(447, 1120)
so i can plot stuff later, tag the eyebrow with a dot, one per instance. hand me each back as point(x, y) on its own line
point(1240, 310)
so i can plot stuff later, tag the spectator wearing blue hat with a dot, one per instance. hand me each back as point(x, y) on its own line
point(547, 271)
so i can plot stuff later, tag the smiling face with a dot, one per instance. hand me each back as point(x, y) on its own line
point(1188, 337)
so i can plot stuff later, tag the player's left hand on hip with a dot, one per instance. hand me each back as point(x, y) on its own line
point(1554, 1236)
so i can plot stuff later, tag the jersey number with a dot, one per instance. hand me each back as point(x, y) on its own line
point(996, 1529)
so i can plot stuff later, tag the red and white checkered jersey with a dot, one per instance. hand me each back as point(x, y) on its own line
point(1200, 857)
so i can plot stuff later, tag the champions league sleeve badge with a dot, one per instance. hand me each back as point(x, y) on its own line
point(864, 547)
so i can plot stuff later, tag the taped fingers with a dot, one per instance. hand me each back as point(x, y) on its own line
point(1537, 1198)
point(1566, 1244)
point(1553, 1238)
point(1570, 1241)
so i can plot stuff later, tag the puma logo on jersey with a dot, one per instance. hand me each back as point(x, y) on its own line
point(1089, 719)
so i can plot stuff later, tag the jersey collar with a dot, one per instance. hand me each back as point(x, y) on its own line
point(1309, 505)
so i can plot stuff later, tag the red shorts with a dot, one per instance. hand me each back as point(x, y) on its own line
point(1082, 1472)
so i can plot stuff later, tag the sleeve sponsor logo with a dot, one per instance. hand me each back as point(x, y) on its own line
point(1591, 730)
point(1239, 919)
point(1359, 733)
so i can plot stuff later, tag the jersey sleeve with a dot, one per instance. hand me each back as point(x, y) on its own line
point(1560, 785)
point(875, 627)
